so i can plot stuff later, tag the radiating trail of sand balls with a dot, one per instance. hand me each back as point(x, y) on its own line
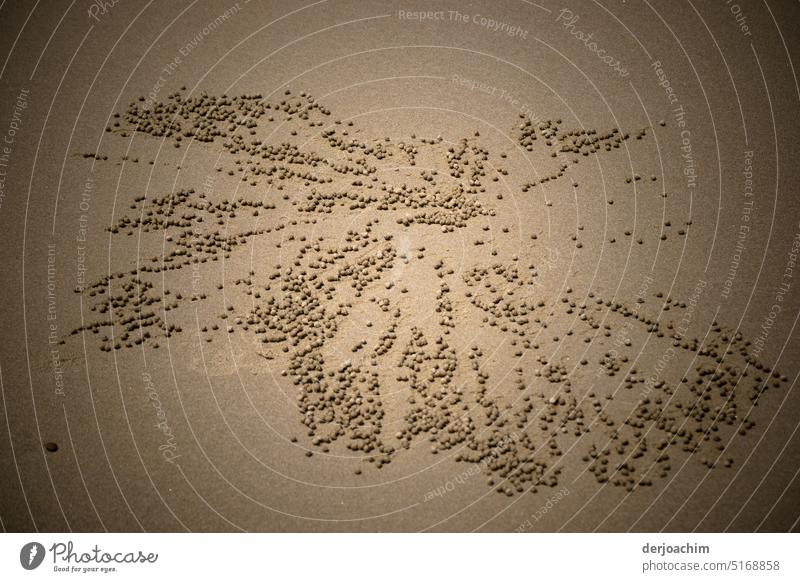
point(300, 310)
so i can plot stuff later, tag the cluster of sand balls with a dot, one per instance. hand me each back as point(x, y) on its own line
point(564, 143)
point(519, 422)
point(449, 209)
point(206, 118)
point(134, 309)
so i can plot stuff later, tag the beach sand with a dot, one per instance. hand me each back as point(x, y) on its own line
point(348, 266)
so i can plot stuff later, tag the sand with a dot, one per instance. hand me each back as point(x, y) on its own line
point(351, 267)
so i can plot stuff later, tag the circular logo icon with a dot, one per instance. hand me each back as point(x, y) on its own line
point(31, 555)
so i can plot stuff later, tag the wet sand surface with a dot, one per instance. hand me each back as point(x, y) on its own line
point(347, 266)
